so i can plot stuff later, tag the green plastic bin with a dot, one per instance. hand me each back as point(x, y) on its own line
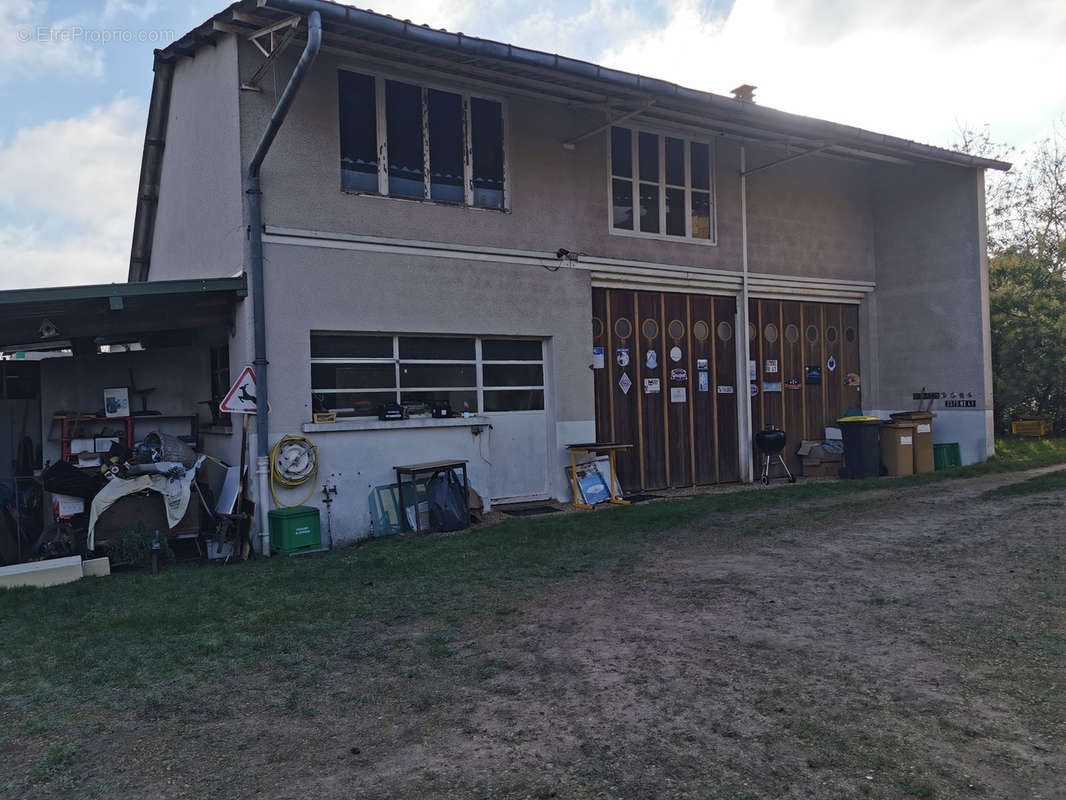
point(946, 456)
point(293, 530)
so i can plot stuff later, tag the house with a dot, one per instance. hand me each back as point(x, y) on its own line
point(559, 251)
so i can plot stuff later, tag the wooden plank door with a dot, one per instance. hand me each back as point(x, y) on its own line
point(813, 388)
point(792, 378)
point(851, 393)
point(677, 388)
point(832, 358)
point(704, 407)
point(726, 390)
point(624, 397)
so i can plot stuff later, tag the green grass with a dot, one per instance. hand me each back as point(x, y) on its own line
point(140, 641)
point(1047, 482)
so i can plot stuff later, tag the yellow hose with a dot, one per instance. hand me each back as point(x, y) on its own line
point(278, 479)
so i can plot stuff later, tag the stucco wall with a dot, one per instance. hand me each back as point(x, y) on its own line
point(810, 218)
point(932, 299)
point(199, 229)
point(410, 294)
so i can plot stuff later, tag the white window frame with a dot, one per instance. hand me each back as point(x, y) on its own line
point(477, 362)
point(381, 120)
point(635, 180)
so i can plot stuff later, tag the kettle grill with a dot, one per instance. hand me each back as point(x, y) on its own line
point(771, 441)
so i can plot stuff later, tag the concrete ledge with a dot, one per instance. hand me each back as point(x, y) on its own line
point(373, 424)
point(42, 573)
point(96, 567)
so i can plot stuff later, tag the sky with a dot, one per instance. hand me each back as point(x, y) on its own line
point(75, 77)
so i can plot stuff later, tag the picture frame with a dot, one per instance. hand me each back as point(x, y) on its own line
point(117, 401)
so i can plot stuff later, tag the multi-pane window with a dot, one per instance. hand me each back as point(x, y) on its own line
point(660, 185)
point(354, 374)
point(403, 140)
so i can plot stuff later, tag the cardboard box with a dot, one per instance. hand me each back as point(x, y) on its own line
point(827, 470)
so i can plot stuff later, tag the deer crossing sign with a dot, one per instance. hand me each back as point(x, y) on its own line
point(242, 395)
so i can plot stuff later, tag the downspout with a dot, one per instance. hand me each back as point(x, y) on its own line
point(255, 223)
point(745, 432)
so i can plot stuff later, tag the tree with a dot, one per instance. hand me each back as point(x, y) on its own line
point(1026, 210)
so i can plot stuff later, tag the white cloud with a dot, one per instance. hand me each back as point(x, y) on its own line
point(30, 44)
point(905, 68)
point(68, 190)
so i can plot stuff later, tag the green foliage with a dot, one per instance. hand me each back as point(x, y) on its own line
point(135, 547)
point(1026, 211)
point(1028, 307)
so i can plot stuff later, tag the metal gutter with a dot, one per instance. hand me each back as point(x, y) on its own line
point(238, 285)
point(155, 136)
point(255, 227)
point(745, 434)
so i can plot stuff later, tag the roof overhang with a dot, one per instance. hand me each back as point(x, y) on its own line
point(111, 312)
point(522, 69)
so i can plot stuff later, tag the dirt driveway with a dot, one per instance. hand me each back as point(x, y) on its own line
point(885, 645)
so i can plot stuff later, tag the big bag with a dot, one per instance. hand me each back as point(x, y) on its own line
point(447, 503)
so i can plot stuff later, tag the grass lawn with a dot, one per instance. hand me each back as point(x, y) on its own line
point(184, 651)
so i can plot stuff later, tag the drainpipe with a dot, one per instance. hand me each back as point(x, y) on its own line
point(746, 470)
point(255, 223)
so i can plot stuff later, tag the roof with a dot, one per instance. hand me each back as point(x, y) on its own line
point(519, 70)
point(114, 311)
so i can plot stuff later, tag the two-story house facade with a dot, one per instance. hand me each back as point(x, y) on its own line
point(559, 252)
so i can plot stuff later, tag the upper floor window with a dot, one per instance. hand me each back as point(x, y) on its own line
point(661, 186)
point(403, 140)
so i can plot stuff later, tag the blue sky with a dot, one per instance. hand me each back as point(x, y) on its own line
point(75, 79)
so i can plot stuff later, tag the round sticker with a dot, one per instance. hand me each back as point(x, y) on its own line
point(831, 363)
point(675, 353)
point(754, 389)
point(621, 356)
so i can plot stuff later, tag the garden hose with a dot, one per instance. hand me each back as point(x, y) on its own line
point(293, 462)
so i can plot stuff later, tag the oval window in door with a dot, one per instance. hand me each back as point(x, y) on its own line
point(623, 328)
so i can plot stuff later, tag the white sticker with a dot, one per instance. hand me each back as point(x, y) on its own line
point(597, 358)
point(651, 386)
point(703, 381)
point(624, 383)
point(621, 356)
point(679, 375)
point(771, 365)
point(925, 428)
point(677, 394)
point(906, 440)
point(725, 390)
point(752, 371)
point(701, 363)
point(675, 353)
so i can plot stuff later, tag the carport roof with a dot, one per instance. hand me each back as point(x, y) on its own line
point(116, 310)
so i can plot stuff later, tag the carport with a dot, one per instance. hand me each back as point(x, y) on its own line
point(165, 343)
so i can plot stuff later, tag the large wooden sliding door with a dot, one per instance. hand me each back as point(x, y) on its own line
point(667, 386)
point(806, 367)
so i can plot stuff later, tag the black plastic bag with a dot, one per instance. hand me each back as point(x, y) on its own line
point(447, 503)
point(64, 478)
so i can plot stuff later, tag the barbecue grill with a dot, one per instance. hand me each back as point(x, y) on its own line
point(771, 441)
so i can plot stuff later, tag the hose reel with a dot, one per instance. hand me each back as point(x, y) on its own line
point(293, 462)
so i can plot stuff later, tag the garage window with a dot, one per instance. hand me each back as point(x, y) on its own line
point(354, 373)
point(404, 140)
point(661, 186)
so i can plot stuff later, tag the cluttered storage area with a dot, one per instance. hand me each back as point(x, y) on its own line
point(111, 428)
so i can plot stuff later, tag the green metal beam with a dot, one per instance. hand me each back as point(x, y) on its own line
point(238, 285)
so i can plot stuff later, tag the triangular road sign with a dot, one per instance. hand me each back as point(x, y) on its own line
point(241, 397)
